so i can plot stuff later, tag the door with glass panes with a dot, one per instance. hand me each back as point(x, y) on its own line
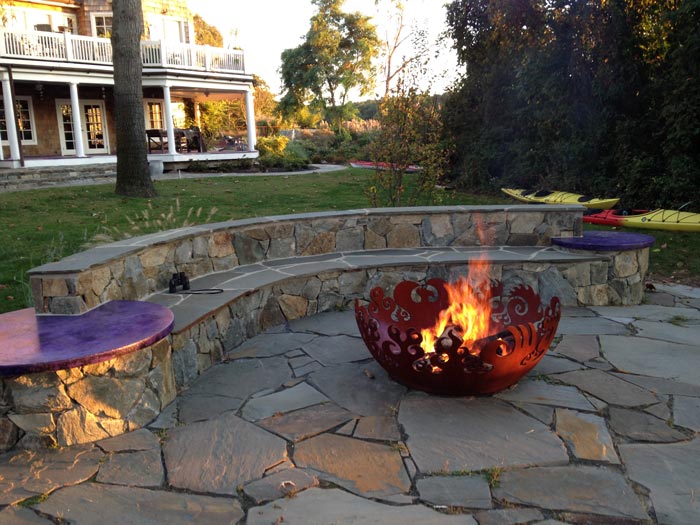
point(95, 139)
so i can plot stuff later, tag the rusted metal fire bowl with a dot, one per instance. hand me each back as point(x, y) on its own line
point(521, 330)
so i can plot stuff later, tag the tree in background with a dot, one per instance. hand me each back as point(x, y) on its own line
point(133, 177)
point(335, 57)
point(591, 96)
point(395, 37)
point(205, 34)
point(410, 133)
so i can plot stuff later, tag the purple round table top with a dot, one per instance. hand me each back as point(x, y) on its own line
point(605, 241)
point(37, 343)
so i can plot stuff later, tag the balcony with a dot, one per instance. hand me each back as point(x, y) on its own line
point(76, 49)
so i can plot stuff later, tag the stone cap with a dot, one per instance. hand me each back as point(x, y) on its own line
point(106, 253)
point(605, 241)
point(38, 343)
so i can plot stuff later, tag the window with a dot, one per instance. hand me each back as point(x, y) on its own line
point(24, 114)
point(102, 25)
point(154, 114)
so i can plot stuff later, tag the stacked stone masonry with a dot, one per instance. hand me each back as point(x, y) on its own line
point(135, 268)
point(87, 403)
point(295, 266)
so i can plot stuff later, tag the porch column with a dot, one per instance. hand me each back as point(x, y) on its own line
point(250, 119)
point(76, 114)
point(168, 110)
point(10, 118)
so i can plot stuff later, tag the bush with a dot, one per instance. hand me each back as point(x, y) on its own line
point(272, 145)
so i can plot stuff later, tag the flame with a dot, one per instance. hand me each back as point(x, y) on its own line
point(468, 313)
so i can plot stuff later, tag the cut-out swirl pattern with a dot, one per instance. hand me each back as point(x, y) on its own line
point(521, 331)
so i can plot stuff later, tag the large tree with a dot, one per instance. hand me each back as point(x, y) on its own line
point(133, 177)
point(335, 58)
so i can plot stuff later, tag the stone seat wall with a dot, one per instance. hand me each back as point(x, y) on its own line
point(271, 270)
point(138, 267)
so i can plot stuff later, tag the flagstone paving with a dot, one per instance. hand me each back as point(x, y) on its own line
point(300, 426)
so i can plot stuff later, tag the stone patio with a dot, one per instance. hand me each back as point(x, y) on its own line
point(299, 426)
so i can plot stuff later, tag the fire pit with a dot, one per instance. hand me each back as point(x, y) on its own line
point(457, 339)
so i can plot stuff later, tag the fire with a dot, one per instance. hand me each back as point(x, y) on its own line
point(467, 316)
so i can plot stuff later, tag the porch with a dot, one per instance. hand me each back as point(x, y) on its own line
point(62, 88)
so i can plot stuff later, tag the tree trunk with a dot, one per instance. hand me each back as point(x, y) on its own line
point(133, 178)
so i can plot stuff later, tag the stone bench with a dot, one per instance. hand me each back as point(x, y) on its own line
point(74, 379)
point(628, 261)
point(267, 271)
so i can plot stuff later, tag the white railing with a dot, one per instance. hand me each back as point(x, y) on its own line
point(66, 47)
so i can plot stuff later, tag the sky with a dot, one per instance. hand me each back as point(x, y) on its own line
point(265, 28)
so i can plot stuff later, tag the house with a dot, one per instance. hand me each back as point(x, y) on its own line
point(56, 65)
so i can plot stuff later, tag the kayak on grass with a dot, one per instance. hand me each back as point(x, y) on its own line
point(412, 168)
point(659, 219)
point(560, 197)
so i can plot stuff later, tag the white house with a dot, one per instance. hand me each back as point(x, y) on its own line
point(56, 101)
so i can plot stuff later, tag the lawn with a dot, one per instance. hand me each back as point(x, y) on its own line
point(45, 225)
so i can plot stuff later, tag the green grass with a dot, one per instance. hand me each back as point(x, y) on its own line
point(46, 225)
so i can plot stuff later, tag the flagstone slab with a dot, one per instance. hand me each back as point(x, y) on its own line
point(640, 426)
point(193, 406)
point(550, 364)
point(287, 400)
point(285, 483)
point(25, 473)
point(590, 326)
point(367, 469)
point(382, 428)
point(218, 455)
point(670, 472)
point(686, 412)
point(307, 422)
point(609, 388)
point(581, 348)
point(327, 323)
point(647, 311)
point(96, 504)
point(679, 290)
point(242, 378)
point(362, 388)
point(543, 393)
point(270, 345)
point(470, 492)
point(321, 507)
point(540, 412)
point(586, 435)
point(638, 355)
point(661, 386)
point(143, 468)
point(333, 350)
point(577, 488)
point(508, 516)
point(469, 434)
point(682, 334)
point(140, 439)
point(660, 410)
point(21, 516)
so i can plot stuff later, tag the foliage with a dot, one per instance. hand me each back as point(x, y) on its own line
point(593, 97)
point(334, 58)
point(272, 145)
point(205, 34)
point(410, 133)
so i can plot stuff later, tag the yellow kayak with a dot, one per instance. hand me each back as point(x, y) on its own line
point(559, 197)
point(659, 219)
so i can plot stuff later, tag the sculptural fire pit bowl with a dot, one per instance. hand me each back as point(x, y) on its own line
point(457, 339)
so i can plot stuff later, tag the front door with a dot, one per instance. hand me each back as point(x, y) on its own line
point(95, 139)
